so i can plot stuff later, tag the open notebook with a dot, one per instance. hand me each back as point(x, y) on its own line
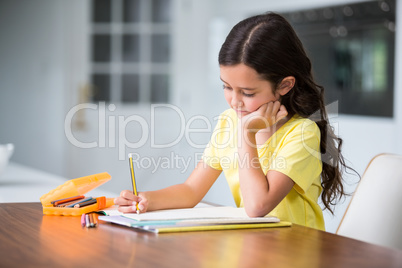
point(193, 219)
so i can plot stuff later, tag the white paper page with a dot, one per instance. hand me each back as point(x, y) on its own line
point(111, 211)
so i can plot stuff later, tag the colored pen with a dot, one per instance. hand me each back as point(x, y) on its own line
point(130, 157)
point(92, 219)
point(70, 202)
point(83, 200)
point(83, 223)
point(88, 223)
point(68, 199)
point(95, 220)
point(85, 203)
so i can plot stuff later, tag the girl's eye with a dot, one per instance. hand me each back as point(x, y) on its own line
point(248, 95)
point(244, 94)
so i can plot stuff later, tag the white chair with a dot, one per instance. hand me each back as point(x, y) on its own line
point(374, 214)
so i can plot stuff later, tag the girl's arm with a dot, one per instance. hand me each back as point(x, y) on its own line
point(261, 193)
point(183, 195)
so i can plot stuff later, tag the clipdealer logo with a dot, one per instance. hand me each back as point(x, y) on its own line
point(146, 128)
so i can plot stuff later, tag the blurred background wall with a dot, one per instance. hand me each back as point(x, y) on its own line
point(75, 100)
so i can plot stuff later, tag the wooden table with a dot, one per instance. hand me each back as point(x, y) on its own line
point(30, 239)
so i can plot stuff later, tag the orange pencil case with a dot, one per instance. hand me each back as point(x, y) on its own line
point(74, 187)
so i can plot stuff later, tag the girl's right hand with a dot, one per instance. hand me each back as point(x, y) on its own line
point(265, 116)
point(127, 202)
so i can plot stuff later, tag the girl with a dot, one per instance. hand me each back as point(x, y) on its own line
point(274, 145)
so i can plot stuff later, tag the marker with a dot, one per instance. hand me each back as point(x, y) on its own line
point(130, 158)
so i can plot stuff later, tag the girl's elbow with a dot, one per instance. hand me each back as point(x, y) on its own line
point(255, 215)
point(256, 211)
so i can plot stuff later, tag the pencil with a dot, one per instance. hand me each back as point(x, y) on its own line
point(130, 157)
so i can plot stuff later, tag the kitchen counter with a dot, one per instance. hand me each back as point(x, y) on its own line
point(20, 183)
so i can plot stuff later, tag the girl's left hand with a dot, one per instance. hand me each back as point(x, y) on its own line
point(266, 116)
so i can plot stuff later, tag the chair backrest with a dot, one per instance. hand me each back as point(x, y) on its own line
point(374, 214)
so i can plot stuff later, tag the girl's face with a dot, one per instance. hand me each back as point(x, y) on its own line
point(245, 91)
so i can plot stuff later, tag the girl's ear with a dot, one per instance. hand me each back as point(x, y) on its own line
point(286, 85)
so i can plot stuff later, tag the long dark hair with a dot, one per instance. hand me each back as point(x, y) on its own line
point(268, 44)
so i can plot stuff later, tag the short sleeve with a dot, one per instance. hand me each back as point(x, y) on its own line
point(221, 139)
point(210, 156)
point(299, 156)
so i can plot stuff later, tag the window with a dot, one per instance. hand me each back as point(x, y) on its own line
point(131, 50)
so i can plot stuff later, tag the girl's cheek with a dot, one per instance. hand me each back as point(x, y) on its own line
point(252, 105)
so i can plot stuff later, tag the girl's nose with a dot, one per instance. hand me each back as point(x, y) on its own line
point(236, 100)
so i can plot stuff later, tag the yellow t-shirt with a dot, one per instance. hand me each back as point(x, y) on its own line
point(294, 150)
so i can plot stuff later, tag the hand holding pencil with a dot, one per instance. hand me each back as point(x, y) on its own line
point(132, 201)
point(130, 157)
point(128, 202)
